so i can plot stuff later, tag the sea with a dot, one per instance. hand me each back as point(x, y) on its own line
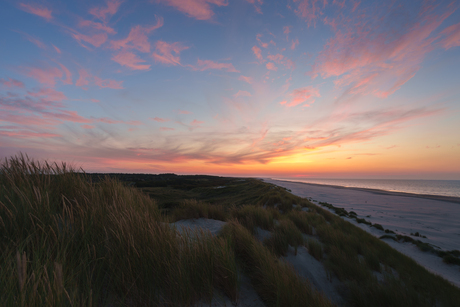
point(427, 187)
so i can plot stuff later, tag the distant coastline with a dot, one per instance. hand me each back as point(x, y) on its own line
point(452, 199)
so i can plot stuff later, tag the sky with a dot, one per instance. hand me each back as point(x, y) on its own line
point(298, 88)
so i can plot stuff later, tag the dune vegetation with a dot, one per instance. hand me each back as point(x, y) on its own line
point(73, 239)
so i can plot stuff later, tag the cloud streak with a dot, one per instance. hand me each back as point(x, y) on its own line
point(198, 9)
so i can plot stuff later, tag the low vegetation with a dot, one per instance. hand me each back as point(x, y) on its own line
point(451, 257)
point(75, 239)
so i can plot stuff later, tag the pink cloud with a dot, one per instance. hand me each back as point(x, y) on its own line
point(257, 4)
point(264, 45)
point(33, 40)
point(164, 52)
point(280, 59)
point(44, 75)
point(370, 61)
point(71, 116)
point(258, 53)
point(294, 43)
point(198, 9)
point(287, 30)
point(11, 83)
point(166, 129)
point(82, 80)
point(276, 58)
point(208, 64)
point(37, 10)
point(245, 79)
point(68, 74)
point(137, 38)
point(160, 120)
point(85, 78)
point(108, 83)
point(242, 93)
point(49, 94)
point(309, 10)
point(130, 60)
point(108, 120)
point(452, 36)
point(183, 112)
point(22, 133)
point(96, 40)
point(87, 126)
point(103, 13)
point(57, 49)
point(95, 100)
point(96, 26)
point(302, 95)
point(196, 122)
point(271, 66)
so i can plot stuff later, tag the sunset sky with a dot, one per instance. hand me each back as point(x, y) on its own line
point(298, 88)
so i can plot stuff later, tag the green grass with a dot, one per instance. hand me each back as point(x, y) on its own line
point(275, 282)
point(71, 239)
point(285, 233)
point(67, 241)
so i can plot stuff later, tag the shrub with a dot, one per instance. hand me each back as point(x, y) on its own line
point(315, 249)
point(449, 259)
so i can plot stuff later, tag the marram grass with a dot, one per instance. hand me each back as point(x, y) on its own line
point(67, 241)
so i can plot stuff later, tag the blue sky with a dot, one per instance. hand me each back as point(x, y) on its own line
point(249, 87)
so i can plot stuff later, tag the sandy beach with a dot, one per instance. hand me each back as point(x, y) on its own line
point(435, 217)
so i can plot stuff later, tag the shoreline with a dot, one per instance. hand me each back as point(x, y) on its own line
point(451, 199)
point(404, 213)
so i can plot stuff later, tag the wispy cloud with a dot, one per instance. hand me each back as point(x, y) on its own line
point(369, 60)
point(105, 12)
point(137, 38)
point(160, 120)
point(257, 5)
point(86, 77)
point(37, 10)
point(271, 66)
point(57, 49)
point(11, 83)
point(33, 40)
point(245, 79)
point(258, 53)
point(96, 39)
point(130, 60)
point(198, 9)
point(164, 52)
point(209, 64)
point(451, 36)
point(49, 94)
point(304, 95)
point(46, 75)
point(242, 93)
point(310, 10)
point(96, 26)
point(108, 83)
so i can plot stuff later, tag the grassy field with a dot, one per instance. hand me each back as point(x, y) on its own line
point(74, 239)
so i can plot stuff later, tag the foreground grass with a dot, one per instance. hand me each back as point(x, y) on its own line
point(67, 240)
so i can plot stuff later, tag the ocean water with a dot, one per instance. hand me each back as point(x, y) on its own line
point(429, 187)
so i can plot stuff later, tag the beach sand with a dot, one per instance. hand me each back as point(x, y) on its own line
point(436, 218)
